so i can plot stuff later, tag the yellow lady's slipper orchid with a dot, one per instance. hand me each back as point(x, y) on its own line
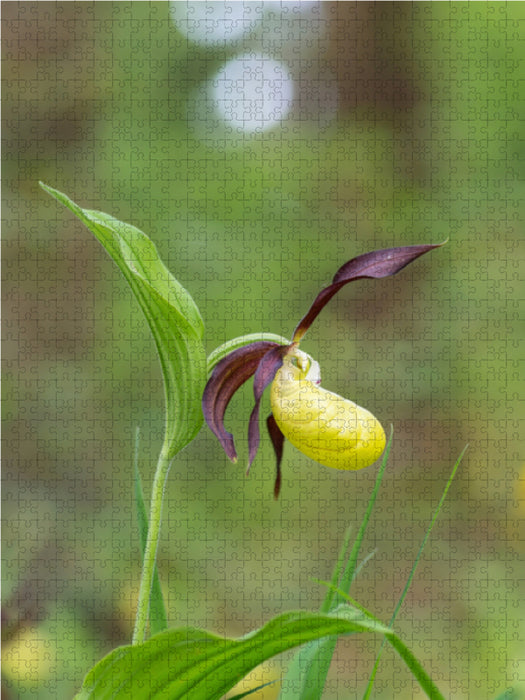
point(322, 425)
point(334, 431)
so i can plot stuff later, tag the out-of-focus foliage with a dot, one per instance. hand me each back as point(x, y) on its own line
point(106, 101)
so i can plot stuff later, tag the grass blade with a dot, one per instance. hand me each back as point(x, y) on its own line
point(309, 668)
point(426, 683)
point(348, 573)
point(412, 571)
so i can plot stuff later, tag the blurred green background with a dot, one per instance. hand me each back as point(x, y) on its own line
point(406, 127)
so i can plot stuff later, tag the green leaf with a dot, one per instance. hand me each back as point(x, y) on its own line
point(509, 694)
point(172, 315)
point(197, 665)
point(349, 571)
point(158, 616)
point(252, 691)
point(424, 680)
point(309, 668)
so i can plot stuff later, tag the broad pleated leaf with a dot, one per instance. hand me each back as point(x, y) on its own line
point(196, 665)
point(171, 313)
point(252, 691)
point(191, 664)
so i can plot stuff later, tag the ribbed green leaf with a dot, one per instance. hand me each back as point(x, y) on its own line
point(252, 691)
point(196, 665)
point(190, 664)
point(172, 315)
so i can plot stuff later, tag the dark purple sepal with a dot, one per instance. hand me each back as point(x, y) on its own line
point(377, 264)
point(228, 375)
point(278, 446)
point(264, 375)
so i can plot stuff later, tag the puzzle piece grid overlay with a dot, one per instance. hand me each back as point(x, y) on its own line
point(376, 125)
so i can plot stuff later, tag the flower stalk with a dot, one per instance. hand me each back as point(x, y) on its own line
point(152, 543)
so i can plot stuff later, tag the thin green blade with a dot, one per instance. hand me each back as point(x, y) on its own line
point(306, 676)
point(368, 690)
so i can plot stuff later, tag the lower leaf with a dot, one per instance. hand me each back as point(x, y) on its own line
point(197, 665)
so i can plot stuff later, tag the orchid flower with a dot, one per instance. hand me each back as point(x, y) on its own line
point(324, 426)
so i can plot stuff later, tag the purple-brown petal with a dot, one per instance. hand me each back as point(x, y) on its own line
point(278, 446)
point(264, 375)
point(228, 375)
point(377, 264)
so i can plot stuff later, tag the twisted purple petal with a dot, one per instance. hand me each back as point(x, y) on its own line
point(377, 264)
point(229, 374)
point(264, 375)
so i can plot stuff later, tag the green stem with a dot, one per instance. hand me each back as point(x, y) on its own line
point(150, 553)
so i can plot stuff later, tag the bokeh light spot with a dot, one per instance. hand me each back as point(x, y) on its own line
point(252, 92)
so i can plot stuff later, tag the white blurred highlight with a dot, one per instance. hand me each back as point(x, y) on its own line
point(252, 92)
